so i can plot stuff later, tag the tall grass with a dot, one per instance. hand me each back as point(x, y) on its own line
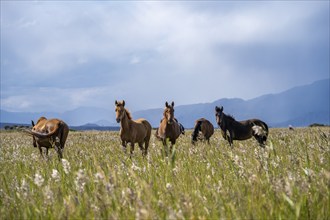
point(289, 179)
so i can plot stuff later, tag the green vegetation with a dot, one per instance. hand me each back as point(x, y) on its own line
point(289, 179)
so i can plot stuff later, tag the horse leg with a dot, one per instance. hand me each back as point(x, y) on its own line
point(40, 150)
point(146, 145)
point(165, 147)
point(260, 139)
point(58, 148)
point(264, 139)
point(123, 144)
point(46, 153)
point(141, 148)
point(230, 139)
point(171, 147)
point(131, 150)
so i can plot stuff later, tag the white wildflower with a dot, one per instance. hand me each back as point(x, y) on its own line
point(141, 213)
point(66, 166)
point(56, 175)
point(160, 203)
point(110, 188)
point(98, 177)
point(208, 166)
point(49, 195)
point(168, 186)
point(95, 208)
point(24, 188)
point(38, 179)
point(288, 188)
point(80, 180)
point(135, 168)
point(275, 164)
point(179, 214)
point(236, 159)
point(175, 170)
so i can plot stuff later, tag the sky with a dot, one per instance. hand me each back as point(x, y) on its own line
point(61, 55)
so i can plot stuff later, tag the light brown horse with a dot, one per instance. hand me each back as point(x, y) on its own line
point(203, 130)
point(132, 131)
point(169, 128)
point(241, 130)
point(50, 133)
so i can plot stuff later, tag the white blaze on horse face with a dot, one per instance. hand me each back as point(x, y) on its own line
point(169, 114)
point(119, 114)
point(218, 118)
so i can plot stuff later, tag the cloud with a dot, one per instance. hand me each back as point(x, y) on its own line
point(54, 99)
point(91, 53)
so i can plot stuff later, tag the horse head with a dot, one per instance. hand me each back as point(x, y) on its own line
point(120, 110)
point(219, 114)
point(169, 112)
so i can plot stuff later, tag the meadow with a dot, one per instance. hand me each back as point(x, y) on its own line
point(289, 179)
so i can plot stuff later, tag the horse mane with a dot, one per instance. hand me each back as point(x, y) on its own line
point(230, 117)
point(128, 114)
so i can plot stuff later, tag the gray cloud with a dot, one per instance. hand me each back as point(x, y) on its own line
point(62, 55)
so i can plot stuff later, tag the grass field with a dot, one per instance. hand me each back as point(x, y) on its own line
point(289, 179)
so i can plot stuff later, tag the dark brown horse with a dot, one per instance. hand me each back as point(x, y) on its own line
point(50, 133)
point(241, 130)
point(169, 128)
point(132, 131)
point(203, 130)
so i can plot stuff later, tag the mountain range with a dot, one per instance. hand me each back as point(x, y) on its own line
point(299, 106)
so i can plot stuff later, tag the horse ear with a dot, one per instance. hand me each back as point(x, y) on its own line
point(166, 104)
point(172, 104)
point(32, 122)
point(123, 103)
point(221, 109)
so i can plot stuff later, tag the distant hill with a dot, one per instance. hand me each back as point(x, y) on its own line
point(299, 106)
point(77, 117)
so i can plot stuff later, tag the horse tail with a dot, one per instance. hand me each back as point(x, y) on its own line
point(196, 130)
point(64, 133)
point(148, 128)
point(182, 131)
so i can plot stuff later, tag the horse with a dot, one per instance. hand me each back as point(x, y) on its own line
point(169, 128)
point(241, 130)
point(203, 130)
point(50, 133)
point(132, 131)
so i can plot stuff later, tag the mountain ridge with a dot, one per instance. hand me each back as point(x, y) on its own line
point(298, 106)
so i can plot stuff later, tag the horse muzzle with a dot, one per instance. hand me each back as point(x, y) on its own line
point(118, 120)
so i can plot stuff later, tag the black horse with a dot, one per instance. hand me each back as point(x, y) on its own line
point(241, 130)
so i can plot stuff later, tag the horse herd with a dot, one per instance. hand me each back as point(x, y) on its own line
point(54, 132)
